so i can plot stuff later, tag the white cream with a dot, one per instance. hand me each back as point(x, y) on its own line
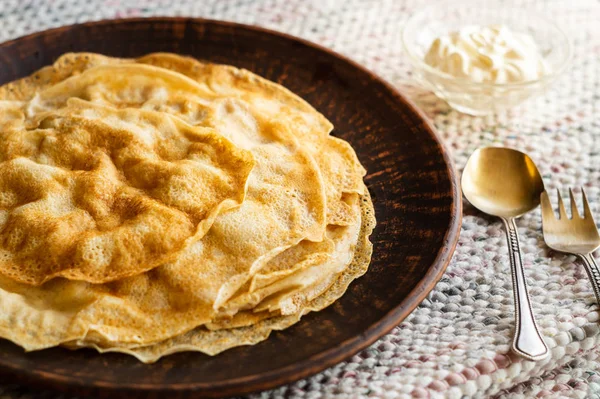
point(492, 54)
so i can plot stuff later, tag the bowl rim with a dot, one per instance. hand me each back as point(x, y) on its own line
point(420, 63)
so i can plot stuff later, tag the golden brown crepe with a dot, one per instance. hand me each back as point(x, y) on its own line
point(99, 194)
point(185, 135)
point(212, 342)
point(283, 206)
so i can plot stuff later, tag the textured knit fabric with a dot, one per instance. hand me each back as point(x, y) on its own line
point(456, 343)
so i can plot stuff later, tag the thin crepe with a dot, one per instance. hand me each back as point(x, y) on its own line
point(98, 194)
point(303, 180)
point(212, 342)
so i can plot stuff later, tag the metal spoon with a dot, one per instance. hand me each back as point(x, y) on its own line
point(506, 183)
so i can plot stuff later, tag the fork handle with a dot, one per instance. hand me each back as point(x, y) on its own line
point(527, 341)
point(591, 267)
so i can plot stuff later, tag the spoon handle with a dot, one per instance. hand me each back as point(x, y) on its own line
point(527, 341)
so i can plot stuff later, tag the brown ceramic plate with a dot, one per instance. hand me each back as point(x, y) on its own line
point(411, 179)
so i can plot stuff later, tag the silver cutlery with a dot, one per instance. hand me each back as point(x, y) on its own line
point(506, 183)
point(577, 235)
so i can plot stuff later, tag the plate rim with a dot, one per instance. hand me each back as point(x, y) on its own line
point(335, 354)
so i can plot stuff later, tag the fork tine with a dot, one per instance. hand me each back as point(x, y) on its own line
point(547, 211)
point(587, 213)
point(574, 211)
point(562, 213)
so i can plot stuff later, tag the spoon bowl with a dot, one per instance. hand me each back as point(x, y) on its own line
point(502, 182)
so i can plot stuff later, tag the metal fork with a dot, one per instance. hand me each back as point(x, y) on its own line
point(578, 235)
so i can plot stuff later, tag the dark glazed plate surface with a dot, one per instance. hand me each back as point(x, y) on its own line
point(414, 188)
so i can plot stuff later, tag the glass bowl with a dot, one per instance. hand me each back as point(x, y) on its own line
point(467, 96)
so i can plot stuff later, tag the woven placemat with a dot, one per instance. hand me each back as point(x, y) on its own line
point(456, 343)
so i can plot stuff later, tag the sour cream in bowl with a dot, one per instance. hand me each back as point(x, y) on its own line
point(481, 58)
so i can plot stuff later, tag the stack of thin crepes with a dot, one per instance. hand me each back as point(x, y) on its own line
point(161, 204)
